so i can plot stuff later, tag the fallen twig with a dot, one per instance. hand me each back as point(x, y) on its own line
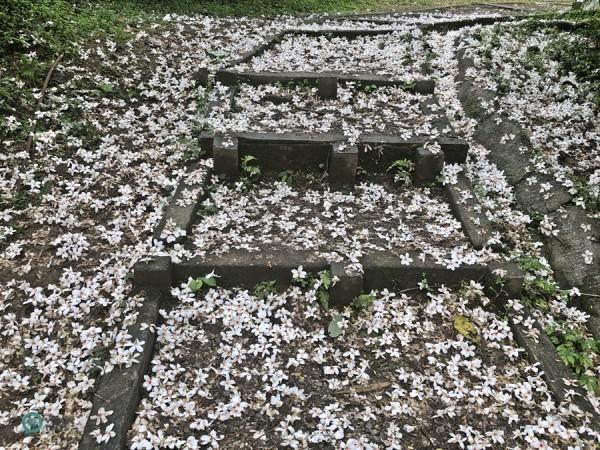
point(366, 389)
point(29, 146)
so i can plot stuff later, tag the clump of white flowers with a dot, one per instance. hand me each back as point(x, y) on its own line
point(71, 246)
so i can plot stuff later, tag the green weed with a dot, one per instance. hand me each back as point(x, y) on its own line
point(403, 170)
point(208, 281)
point(577, 352)
point(250, 168)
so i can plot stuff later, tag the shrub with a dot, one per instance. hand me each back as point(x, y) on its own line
point(35, 24)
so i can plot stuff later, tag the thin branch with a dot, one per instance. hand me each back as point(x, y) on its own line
point(29, 146)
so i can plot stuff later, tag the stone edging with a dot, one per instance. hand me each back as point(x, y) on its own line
point(469, 211)
point(515, 163)
point(559, 378)
point(119, 391)
point(381, 269)
point(230, 77)
point(280, 151)
point(181, 209)
point(513, 157)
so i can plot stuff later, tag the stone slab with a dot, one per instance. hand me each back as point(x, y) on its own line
point(381, 269)
point(247, 269)
point(428, 166)
point(377, 152)
point(348, 287)
point(384, 270)
point(231, 77)
point(376, 156)
point(182, 215)
point(327, 88)
point(120, 389)
point(202, 76)
point(505, 153)
point(206, 142)
point(475, 101)
point(153, 272)
point(344, 33)
point(281, 151)
point(559, 378)
point(469, 212)
point(565, 251)
point(455, 150)
point(259, 49)
point(531, 200)
point(593, 326)
point(458, 24)
point(343, 162)
point(226, 156)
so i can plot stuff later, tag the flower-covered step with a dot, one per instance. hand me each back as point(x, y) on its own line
point(274, 367)
point(395, 54)
point(299, 213)
point(355, 109)
point(294, 127)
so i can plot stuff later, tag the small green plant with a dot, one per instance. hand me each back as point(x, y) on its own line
point(577, 352)
point(310, 177)
point(531, 264)
point(207, 209)
point(370, 88)
point(402, 169)
point(323, 281)
point(209, 281)
point(29, 70)
point(287, 177)
point(363, 302)
point(424, 284)
point(218, 54)
point(264, 289)
point(250, 169)
point(587, 193)
point(192, 153)
point(538, 287)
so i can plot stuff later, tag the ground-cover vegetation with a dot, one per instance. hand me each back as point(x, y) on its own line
point(114, 134)
point(116, 129)
point(51, 25)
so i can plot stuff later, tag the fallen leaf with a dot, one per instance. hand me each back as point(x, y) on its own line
point(465, 327)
